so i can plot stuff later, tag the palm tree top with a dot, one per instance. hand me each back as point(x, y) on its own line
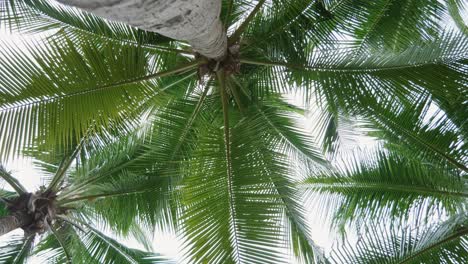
point(159, 120)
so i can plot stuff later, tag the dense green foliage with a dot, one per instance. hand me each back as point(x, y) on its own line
point(133, 138)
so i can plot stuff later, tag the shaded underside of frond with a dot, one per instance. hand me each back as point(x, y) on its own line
point(162, 151)
point(445, 242)
point(59, 92)
point(388, 186)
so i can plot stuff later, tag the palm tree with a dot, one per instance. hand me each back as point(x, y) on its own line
point(195, 21)
point(63, 231)
point(180, 135)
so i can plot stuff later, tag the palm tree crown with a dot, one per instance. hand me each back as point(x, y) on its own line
point(148, 131)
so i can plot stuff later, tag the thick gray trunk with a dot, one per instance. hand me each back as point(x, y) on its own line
point(12, 222)
point(194, 21)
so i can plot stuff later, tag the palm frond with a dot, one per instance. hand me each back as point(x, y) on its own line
point(289, 137)
point(445, 242)
point(60, 175)
point(456, 8)
point(11, 180)
point(144, 170)
point(299, 237)
point(341, 77)
point(242, 27)
point(4, 194)
point(388, 186)
point(404, 129)
point(240, 235)
point(93, 246)
point(56, 245)
point(395, 25)
point(17, 250)
point(287, 26)
point(372, 80)
point(109, 86)
point(245, 219)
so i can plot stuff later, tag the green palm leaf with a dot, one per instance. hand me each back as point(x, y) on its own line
point(391, 186)
point(56, 246)
point(456, 9)
point(89, 245)
point(145, 144)
point(44, 93)
point(249, 212)
point(3, 206)
point(439, 243)
point(17, 250)
point(404, 128)
point(143, 170)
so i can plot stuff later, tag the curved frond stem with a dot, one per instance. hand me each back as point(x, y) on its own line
point(458, 234)
point(180, 69)
point(372, 28)
point(235, 37)
point(70, 221)
point(104, 195)
point(237, 98)
point(383, 187)
point(273, 64)
point(179, 51)
point(12, 181)
point(192, 119)
point(66, 162)
point(62, 244)
point(433, 148)
point(457, 15)
point(342, 69)
point(76, 188)
point(24, 251)
point(227, 142)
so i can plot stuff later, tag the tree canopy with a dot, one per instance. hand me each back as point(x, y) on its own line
point(134, 130)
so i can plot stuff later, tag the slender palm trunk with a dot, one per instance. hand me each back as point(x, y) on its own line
point(194, 21)
point(11, 222)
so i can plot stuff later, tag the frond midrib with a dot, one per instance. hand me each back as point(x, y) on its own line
point(18, 105)
point(278, 131)
point(227, 148)
point(24, 247)
point(190, 122)
point(433, 148)
point(62, 245)
point(372, 28)
point(281, 29)
point(111, 194)
point(344, 68)
point(460, 233)
point(98, 234)
point(12, 181)
point(385, 187)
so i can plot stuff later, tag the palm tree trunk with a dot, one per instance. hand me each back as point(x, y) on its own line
point(194, 21)
point(11, 222)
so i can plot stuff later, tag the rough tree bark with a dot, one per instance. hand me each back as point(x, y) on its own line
point(11, 222)
point(194, 21)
